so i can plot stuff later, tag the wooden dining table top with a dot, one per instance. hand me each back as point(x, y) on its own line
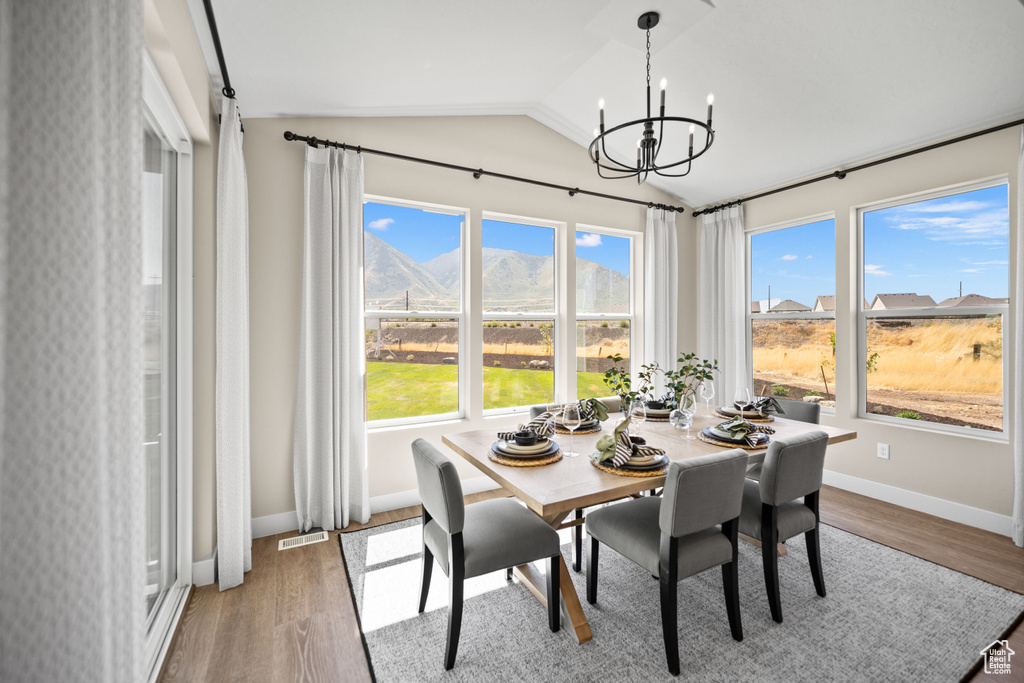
point(555, 489)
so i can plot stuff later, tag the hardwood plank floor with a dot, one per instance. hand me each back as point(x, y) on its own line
point(294, 619)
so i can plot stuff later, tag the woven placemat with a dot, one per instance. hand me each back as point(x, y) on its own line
point(766, 418)
point(728, 444)
point(526, 462)
point(562, 430)
point(630, 473)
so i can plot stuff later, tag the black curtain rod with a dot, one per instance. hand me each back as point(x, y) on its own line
point(477, 172)
point(840, 174)
point(228, 91)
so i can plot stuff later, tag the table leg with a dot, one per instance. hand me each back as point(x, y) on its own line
point(753, 541)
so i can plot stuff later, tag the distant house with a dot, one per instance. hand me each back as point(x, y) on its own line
point(889, 301)
point(825, 303)
point(755, 306)
point(973, 300)
point(788, 306)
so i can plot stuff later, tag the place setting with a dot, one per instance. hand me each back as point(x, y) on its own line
point(758, 409)
point(628, 455)
point(738, 432)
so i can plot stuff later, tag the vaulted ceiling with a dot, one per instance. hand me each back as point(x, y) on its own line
point(801, 86)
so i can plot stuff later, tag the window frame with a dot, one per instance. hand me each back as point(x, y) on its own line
point(459, 315)
point(522, 316)
point(792, 315)
point(864, 314)
point(635, 267)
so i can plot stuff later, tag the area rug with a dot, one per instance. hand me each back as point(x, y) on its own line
point(887, 616)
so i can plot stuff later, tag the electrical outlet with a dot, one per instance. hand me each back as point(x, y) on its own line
point(883, 451)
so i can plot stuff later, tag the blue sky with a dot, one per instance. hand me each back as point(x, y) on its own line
point(798, 263)
point(424, 235)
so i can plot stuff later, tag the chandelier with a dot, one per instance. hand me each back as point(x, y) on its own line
point(649, 143)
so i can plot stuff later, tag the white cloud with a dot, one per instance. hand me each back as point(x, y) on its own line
point(380, 223)
point(972, 270)
point(588, 239)
point(788, 257)
point(990, 263)
point(870, 269)
point(810, 256)
point(984, 228)
point(948, 207)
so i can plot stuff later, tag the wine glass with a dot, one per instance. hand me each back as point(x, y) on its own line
point(742, 397)
point(687, 409)
point(707, 392)
point(637, 415)
point(571, 420)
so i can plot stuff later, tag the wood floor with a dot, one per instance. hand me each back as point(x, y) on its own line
point(294, 620)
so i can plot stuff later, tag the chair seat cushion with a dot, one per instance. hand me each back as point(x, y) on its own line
point(631, 529)
point(498, 533)
point(793, 518)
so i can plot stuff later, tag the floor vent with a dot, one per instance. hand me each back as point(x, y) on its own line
point(302, 540)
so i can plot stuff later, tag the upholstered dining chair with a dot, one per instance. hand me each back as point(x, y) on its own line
point(772, 514)
point(689, 529)
point(468, 541)
point(800, 411)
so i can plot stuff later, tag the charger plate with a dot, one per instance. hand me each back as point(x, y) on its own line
point(728, 444)
point(532, 462)
point(732, 412)
point(630, 473)
point(592, 429)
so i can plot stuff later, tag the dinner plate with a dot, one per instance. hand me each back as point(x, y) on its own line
point(658, 462)
point(590, 424)
point(733, 412)
point(552, 448)
point(664, 412)
point(514, 448)
point(722, 435)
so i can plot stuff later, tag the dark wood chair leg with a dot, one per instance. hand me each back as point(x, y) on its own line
point(592, 571)
point(669, 566)
point(577, 546)
point(456, 578)
point(508, 574)
point(770, 559)
point(731, 582)
point(813, 547)
point(554, 596)
point(427, 568)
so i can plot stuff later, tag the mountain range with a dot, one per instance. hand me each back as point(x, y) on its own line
point(513, 281)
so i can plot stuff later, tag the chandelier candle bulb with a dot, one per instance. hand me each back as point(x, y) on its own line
point(600, 108)
point(692, 129)
point(664, 85)
point(711, 101)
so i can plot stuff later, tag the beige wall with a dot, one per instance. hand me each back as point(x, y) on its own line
point(970, 470)
point(515, 145)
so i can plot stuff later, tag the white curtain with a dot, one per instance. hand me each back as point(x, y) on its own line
point(723, 298)
point(72, 575)
point(661, 291)
point(234, 504)
point(330, 460)
point(1018, 359)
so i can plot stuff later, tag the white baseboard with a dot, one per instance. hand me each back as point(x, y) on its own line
point(204, 570)
point(269, 525)
point(947, 509)
point(401, 499)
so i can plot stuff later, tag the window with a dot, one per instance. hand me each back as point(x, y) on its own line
point(519, 312)
point(792, 309)
point(604, 306)
point(934, 273)
point(413, 288)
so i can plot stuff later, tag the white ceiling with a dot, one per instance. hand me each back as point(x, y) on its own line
point(801, 86)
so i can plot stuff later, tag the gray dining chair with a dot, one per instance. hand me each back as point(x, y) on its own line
point(689, 529)
point(801, 411)
point(773, 514)
point(468, 541)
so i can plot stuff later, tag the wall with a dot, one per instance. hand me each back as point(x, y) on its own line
point(515, 145)
point(972, 471)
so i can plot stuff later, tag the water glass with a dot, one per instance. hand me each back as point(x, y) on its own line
point(571, 420)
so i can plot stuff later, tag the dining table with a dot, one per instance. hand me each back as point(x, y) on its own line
point(556, 490)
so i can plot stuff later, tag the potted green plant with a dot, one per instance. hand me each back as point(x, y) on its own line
point(620, 383)
point(687, 378)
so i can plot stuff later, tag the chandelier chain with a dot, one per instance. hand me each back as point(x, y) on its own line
point(648, 56)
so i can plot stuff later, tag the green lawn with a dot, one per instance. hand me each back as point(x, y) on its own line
point(407, 389)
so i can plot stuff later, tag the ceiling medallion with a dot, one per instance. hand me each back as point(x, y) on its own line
point(648, 143)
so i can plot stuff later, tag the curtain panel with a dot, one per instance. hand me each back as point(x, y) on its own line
point(661, 291)
point(72, 485)
point(329, 447)
point(234, 503)
point(723, 299)
point(1018, 359)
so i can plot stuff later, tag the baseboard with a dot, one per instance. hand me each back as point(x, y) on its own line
point(204, 571)
point(269, 525)
point(947, 509)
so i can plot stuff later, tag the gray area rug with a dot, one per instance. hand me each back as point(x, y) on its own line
point(888, 616)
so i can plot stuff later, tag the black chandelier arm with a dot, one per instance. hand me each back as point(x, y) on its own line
point(599, 141)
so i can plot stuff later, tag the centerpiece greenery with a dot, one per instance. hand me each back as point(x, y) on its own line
point(618, 380)
point(687, 378)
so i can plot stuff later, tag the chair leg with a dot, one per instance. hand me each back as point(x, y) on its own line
point(427, 568)
point(770, 559)
point(577, 546)
point(813, 547)
point(592, 571)
point(668, 564)
point(554, 596)
point(508, 574)
point(731, 583)
point(456, 578)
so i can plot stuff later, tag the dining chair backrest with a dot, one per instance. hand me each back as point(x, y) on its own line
point(440, 487)
point(803, 411)
point(702, 492)
point(612, 403)
point(793, 467)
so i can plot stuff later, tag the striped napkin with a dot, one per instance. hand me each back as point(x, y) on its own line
point(540, 425)
point(619, 449)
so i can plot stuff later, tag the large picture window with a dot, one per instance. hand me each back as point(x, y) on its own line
point(934, 274)
point(792, 312)
point(519, 312)
point(413, 284)
point(604, 306)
